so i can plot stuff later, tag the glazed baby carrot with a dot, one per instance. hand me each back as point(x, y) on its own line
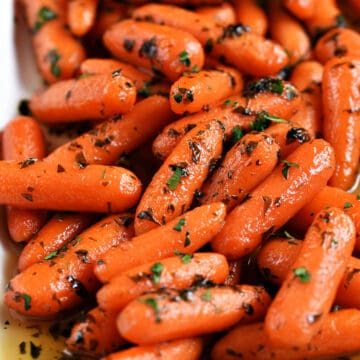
point(194, 91)
point(53, 236)
point(159, 48)
point(223, 14)
point(67, 280)
point(302, 9)
point(337, 42)
point(189, 349)
point(339, 335)
point(181, 174)
point(273, 202)
point(304, 299)
point(178, 271)
point(36, 184)
point(197, 227)
point(23, 138)
point(81, 16)
point(244, 166)
point(249, 13)
point(94, 335)
point(341, 127)
point(94, 97)
point(150, 318)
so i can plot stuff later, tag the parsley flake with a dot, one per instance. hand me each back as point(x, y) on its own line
point(185, 258)
point(303, 274)
point(206, 295)
point(180, 224)
point(44, 15)
point(27, 301)
point(149, 301)
point(184, 58)
point(156, 269)
point(51, 255)
point(287, 166)
point(174, 179)
point(54, 57)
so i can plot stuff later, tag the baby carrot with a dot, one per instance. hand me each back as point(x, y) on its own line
point(32, 184)
point(222, 14)
point(244, 166)
point(94, 335)
point(65, 280)
point(189, 349)
point(339, 335)
point(273, 202)
point(304, 299)
point(194, 91)
point(150, 318)
point(23, 138)
point(197, 227)
point(52, 237)
point(159, 48)
point(94, 97)
point(302, 9)
point(81, 16)
point(181, 174)
point(179, 272)
point(341, 127)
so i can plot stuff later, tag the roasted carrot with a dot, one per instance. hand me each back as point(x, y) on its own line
point(53, 236)
point(67, 280)
point(81, 16)
point(180, 272)
point(337, 42)
point(150, 318)
point(94, 335)
point(181, 174)
point(339, 335)
point(197, 227)
point(94, 97)
point(159, 48)
point(341, 127)
point(31, 183)
point(302, 9)
point(273, 202)
point(304, 299)
point(195, 91)
point(223, 14)
point(244, 166)
point(189, 349)
point(248, 12)
point(23, 138)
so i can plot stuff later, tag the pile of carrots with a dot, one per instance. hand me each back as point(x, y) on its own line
point(208, 207)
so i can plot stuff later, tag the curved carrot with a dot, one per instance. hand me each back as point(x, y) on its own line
point(223, 14)
point(66, 280)
point(197, 311)
point(339, 335)
point(197, 227)
point(31, 184)
point(244, 166)
point(179, 272)
point(303, 301)
point(94, 335)
point(189, 349)
point(249, 13)
point(95, 97)
point(159, 48)
point(337, 42)
point(23, 138)
point(272, 203)
point(302, 9)
point(181, 174)
point(52, 237)
point(194, 91)
point(81, 16)
point(341, 127)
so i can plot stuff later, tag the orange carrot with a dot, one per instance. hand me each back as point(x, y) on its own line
point(181, 174)
point(339, 335)
point(304, 299)
point(81, 16)
point(94, 335)
point(150, 318)
point(179, 272)
point(52, 237)
point(189, 349)
point(223, 14)
point(272, 203)
point(32, 184)
point(302, 9)
point(66, 280)
point(197, 227)
point(94, 97)
point(148, 45)
point(23, 138)
point(341, 127)
point(244, 166)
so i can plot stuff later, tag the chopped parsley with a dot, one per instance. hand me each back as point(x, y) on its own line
point(303, 274)
point(206, 295)
point(149, 301)
point(266, 84)
point(54, 57)
point(44, 15)
point(174, 179)
point(348, 205)
point(156, 269)
point(180, 224)
point(287, 166)
point(51, 255)
point(27, 301)
point(184, 58)
point(185, 258)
